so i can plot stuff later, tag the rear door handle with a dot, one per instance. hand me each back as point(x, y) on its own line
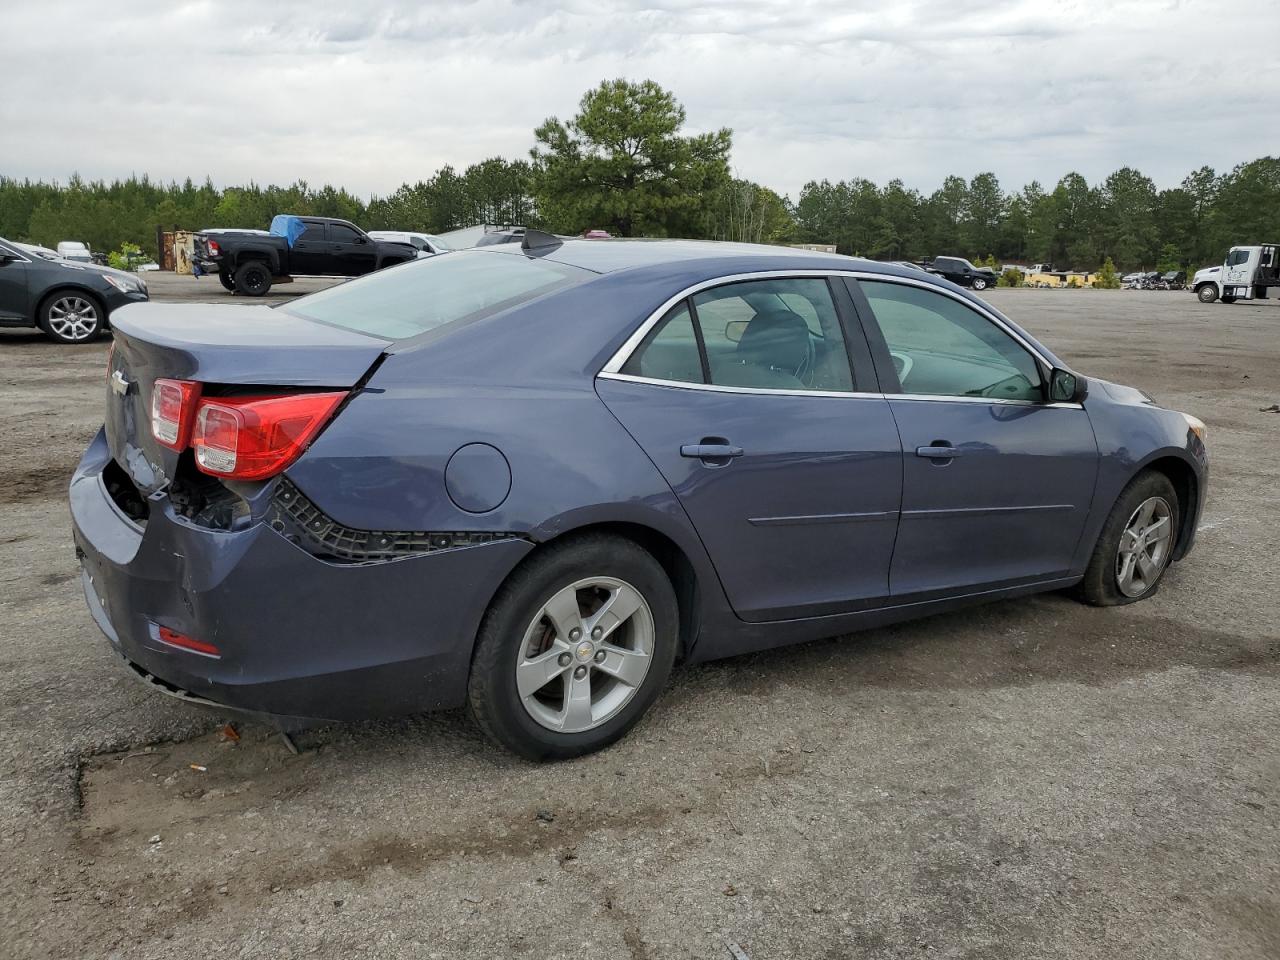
point(938, 452)
point(711, 452)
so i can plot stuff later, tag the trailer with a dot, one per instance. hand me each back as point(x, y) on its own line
point(1247, 274)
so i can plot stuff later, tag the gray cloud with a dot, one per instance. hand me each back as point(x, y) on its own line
point(371, 95)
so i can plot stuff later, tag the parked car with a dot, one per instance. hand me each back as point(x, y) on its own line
point(529, 477)
point(75, 250)
point(426, 244)
point(70, 301)
point(961, 271)
point(248, 262)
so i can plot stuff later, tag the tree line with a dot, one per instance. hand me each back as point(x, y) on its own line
point(624, 163)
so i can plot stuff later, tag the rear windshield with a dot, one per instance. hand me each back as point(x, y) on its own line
point(413, 298)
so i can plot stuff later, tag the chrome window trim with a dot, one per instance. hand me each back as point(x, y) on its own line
point(615, 363)
point(718, 388)
point(854, 395)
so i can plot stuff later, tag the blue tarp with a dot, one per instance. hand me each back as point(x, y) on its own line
point(290, 228)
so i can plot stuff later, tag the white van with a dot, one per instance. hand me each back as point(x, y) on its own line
point(427, 244)
point(74, 250)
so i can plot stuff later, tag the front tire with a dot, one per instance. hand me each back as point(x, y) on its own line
point(1207, 294)
point(575, 647)
point(1136, 544)
point(71, 316)
point(979, 284)
point(253, 279)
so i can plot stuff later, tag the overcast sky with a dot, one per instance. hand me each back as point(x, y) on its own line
point(371, 94)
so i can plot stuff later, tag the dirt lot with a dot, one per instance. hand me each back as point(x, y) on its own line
point(1029, 779)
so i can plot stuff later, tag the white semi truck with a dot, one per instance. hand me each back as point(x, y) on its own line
point(1247, 275)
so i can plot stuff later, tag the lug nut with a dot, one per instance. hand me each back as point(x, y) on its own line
point(600, 655)
point(579, 673)
point(597, 632)
point(575, 633)
point(564, 659)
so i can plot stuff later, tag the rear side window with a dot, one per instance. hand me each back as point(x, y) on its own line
point(416, 297)
point(779, 334)
point(312, 231)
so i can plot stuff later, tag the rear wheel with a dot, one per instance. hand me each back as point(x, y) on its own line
point(1208, 293)
point(576, 646)
point(1136, 543)
point(253, 279)
point(70, 316)
point(227, 280)
point(1227, 299)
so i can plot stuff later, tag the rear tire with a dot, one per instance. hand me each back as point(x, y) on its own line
point(253, 279)
point(71, 316)
point(544, 683)
point(1227, 299)
point(1109, 581)
point(227, 280)
point(1208, 293)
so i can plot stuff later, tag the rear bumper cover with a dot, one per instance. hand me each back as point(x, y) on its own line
point(298, 636)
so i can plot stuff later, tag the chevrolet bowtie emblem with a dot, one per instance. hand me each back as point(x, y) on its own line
point(120, 384)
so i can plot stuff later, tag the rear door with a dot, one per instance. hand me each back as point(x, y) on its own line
point(309, 255)
point(997, 482)
point(781, 451)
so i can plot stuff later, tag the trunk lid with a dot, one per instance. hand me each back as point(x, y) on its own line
point(225, 346)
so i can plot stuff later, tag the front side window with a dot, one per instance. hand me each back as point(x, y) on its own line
point(766, 334)
point(941, 347)
point(340, 234)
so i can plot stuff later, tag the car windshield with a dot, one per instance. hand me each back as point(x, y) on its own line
point(416, 297)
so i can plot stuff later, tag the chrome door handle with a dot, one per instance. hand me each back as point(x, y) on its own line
point(938, 453)
point(710, 451)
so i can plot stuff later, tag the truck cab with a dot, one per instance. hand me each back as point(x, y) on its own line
point(1247, 274)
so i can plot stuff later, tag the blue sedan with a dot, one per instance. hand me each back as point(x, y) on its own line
point(529, 477)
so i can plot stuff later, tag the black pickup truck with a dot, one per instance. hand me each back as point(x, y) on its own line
point(961, 271)
point(249, 261)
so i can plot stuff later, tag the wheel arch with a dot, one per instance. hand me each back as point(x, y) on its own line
point(1186, 484)
point(673, 559)
point(98, 301)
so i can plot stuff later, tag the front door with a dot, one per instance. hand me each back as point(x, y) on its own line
point(744, 397)
point(997, 482)
point(352, 252)
point(13, 285)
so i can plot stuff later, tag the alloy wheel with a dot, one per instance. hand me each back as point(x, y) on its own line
point(1145, 546)
point(585, 654)
point(73, 319)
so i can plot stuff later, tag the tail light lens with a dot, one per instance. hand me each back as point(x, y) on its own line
point(173, 406)
point(251, 438)
point(175, 639)
point(213, 248)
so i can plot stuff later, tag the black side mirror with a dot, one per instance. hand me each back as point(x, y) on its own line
point(1067, 387)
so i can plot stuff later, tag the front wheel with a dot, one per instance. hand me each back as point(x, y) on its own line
point(1208, 293)
point(1136, 543)
point(575, 648)
point(71, 317)
point(253, 279)
point(979, 284)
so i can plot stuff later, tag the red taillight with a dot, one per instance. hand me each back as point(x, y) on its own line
point(173, 407)
point(183, 642)
point(213, 248)
point(251, 438)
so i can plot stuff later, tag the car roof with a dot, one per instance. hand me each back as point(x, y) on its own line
point(611, 256)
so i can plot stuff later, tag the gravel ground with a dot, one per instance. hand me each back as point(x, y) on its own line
point(1028, 779)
